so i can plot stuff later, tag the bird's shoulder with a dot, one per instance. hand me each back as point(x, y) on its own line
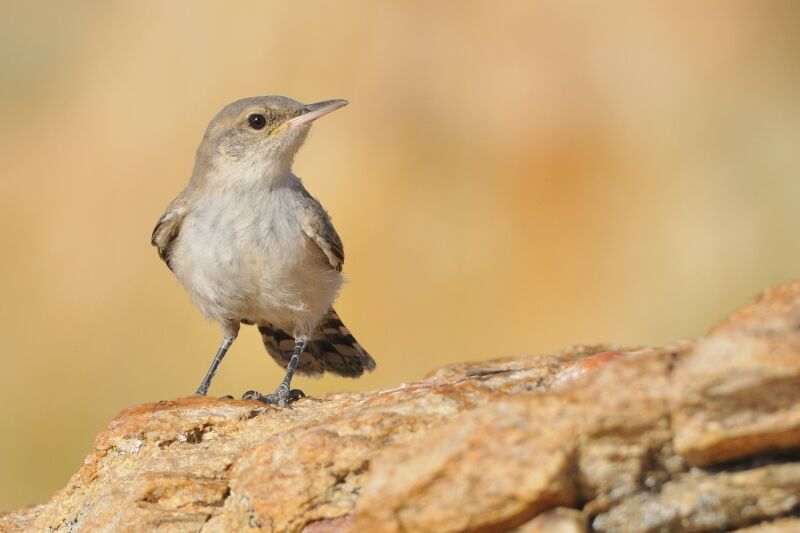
point(168, 227)
point(317, 225)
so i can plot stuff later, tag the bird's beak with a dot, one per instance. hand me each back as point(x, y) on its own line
point(310, 113)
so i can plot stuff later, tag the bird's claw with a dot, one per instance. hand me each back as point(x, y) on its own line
point(281, 397)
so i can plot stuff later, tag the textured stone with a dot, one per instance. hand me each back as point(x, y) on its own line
point(708, 501)
point(789, 525)
point(558, 520)
point(738, 393)
point(698, 436)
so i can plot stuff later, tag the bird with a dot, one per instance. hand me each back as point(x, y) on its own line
point(252, 246)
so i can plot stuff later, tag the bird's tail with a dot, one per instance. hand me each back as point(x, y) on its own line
point(331, 348)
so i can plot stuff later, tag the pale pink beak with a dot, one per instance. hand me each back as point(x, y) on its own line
point(311, 112)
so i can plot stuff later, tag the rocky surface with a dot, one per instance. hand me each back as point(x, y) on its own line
point(703, 435)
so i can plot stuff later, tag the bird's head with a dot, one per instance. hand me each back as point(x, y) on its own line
point(256, 138)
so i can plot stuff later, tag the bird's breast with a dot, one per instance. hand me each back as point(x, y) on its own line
point(243, 256)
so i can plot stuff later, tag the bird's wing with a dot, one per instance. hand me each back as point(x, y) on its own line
point(167, 228)
point(317, 226)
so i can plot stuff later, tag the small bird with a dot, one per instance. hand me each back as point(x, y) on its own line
point(252, 246)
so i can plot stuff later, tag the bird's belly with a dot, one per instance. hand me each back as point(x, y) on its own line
point(261, 276)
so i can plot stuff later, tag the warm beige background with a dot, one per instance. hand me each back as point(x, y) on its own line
point(510, 177)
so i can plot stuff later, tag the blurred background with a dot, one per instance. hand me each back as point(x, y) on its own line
point(509, 178)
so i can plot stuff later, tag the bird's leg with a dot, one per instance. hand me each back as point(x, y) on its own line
point(284, 393)
point(229, 331)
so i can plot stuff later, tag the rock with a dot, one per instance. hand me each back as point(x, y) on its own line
point(558, 520)
point(506, 461)
point(790, 525)
point(709, 501)
point(737, 393)
point(698, 436)
point(20, 520)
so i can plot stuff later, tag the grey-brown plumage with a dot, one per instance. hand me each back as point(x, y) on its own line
point(252, 246)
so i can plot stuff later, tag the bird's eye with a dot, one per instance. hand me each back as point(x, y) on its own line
point(256, 121)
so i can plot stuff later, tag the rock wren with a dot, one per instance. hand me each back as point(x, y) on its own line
point(252, 246)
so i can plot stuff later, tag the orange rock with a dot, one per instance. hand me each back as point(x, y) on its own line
point(702, 435)
point(738, 393)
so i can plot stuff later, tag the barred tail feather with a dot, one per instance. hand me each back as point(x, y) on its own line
point(338, 349)
point(332, 348)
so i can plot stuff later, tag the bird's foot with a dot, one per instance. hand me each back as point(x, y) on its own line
point(283, 397)
point(200, 394)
